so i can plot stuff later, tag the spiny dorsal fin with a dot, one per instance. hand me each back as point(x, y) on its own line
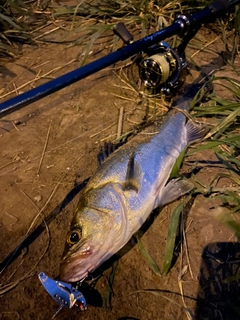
point(108, 148)
point(105, 151)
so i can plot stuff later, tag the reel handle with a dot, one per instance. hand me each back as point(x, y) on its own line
point(122, 32)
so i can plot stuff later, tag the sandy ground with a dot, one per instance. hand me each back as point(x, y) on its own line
point(70, 125)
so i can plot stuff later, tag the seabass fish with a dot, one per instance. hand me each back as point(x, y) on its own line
point(120, 196)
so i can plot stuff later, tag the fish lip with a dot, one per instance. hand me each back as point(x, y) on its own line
point(77, 254)
point(72, 262)
point(68, 270)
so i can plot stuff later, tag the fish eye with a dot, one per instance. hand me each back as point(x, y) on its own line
point(74, 236)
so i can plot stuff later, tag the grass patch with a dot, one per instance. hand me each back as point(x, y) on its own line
point(224, 140)
point(17, 21)
point(20, 20)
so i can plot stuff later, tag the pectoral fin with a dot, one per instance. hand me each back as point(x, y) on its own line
point(134, 174)
point(174, 189)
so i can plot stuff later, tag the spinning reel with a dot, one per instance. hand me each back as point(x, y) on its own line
point(160, 69)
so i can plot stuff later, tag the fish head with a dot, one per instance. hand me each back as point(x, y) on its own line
point(93, 238)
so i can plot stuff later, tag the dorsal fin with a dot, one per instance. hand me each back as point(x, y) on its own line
point(133, 174)
point(105, 151)
point(108, 148)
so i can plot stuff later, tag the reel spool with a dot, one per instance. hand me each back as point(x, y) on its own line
point(161, 71)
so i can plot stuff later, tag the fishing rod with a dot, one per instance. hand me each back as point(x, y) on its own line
point(160, 66)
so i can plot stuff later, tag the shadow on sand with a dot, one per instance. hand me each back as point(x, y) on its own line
point(219, 282)
point(39, 229)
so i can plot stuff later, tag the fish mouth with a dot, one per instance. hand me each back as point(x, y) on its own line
point(76, 266)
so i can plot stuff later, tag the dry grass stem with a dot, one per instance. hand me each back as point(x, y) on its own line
point(149, 133)
point(183, 271)
point(127, 83)
point(32, 202)
point(12, 285)
point(15, 88)
point(15, 126)
point(41, 64)
point(48, 200)
point(97, 133)
point(7, 164)
point(123, 87)
point(187, 114)
point(42, 12)
point(17, 77)
point(183, 300)
point(120, 122)
point(42, 27)
point(139, 305)
point(45, 205)
point(187, 253)
point(8, 287)
point(47, 32)
point(32, 85)
point(38, 78)
point(189, 225)
point(13, 273)
point(108, 137)
point(205, 46)
point(10, 215)
point(44, 148)
point(124, 98)
point(132, 121)
point(53, 192)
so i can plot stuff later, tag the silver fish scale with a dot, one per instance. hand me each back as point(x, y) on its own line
point(152, 156)
point(155, 159)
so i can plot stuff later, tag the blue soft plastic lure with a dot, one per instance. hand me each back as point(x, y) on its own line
point(64, 293)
